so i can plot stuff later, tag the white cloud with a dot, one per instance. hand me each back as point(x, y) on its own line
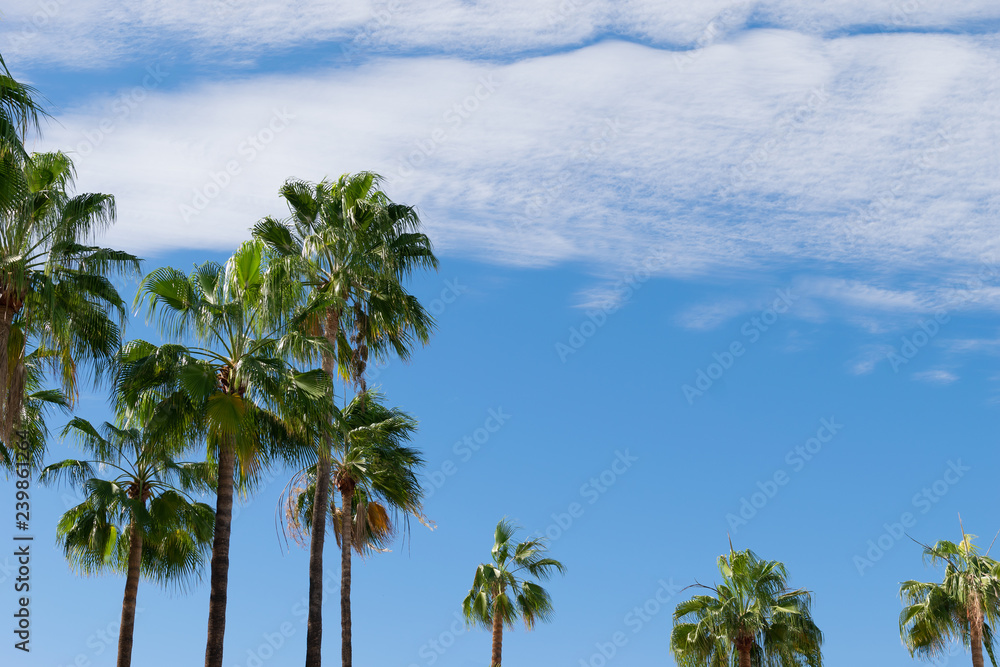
point(704, 317)
point(975, 345)
point(862, 296)
point(868, 357)
point(100, 32)
point(937, 376)
point(776, 149)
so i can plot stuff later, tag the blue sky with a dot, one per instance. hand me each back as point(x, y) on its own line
point(717, 267)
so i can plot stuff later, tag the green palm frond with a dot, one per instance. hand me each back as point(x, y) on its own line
point(132, 480)
point(937, 614)
point(236, 387)
point(57, 298)
point(502, 588)
point(369, 444)
point(752, 608)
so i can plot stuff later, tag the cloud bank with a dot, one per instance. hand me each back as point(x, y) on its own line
point(97, 33)
point(873, 151)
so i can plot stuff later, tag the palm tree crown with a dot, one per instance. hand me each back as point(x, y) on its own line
point(751, 619)
point(56, 295)
point(372, 462)
point(352, 247)
point(964, 607)
point(145, 485)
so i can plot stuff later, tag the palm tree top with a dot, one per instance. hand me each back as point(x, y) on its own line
point(528, 556)
point(964, 607)
point(504, 585)
point(131, 479)
point(20, 113)
point(351, 247)
point(752, 611)
point(369, 445)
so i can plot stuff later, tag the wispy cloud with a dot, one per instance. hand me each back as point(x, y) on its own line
point(868, 358)
point(974, 345)
point(708, 316)
point(937, 376)
point(863, 296)
point(93, 33)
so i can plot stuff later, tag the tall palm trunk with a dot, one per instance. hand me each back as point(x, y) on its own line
point(976, 630)
point(314, 628)
point(131, 592)
point(497, 638)
point(346, 488)
point(744, 648)
point(220, 557)
point(6, 319)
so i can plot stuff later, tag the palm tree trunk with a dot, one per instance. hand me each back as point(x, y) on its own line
point(220, 557)
point(976, 632)
point(16, 375)
point(125, 633)
point(346, 533)
point(497, 638)
point(314, 628)
point(7, 425)
point(743, 648)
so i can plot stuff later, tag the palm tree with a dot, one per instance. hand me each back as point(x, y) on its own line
point(374, 472)
point(139, 521)
point(964, 607)
point(56, 294)
point(500, 593)
point(752, 618)
point(19, 114)
point(228, 393)
point(351, 247)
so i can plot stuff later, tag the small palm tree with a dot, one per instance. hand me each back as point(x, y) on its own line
point(751, 619)
point(964, 607)
point(500, 593)
point(138, 521)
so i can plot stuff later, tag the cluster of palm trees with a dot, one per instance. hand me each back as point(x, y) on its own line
point(255, 349)
point(754, 619)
